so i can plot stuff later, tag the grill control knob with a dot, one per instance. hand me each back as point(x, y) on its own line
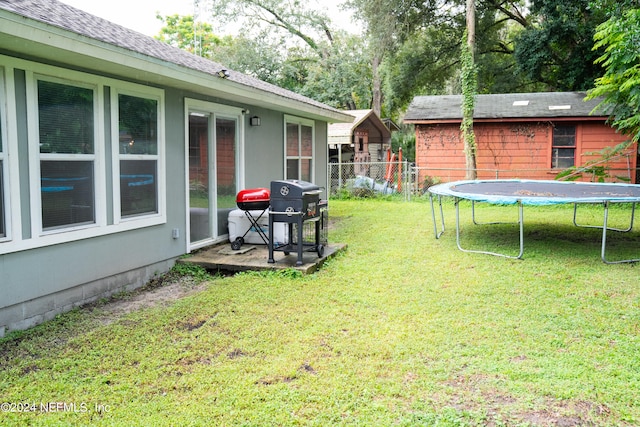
point(289, 210)
point(284, 190)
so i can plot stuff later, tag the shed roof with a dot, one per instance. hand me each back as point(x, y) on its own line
point(21, 29)
point(503, 106)
point(340, 133)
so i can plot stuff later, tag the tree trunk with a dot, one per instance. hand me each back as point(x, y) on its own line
point(376, 95)
point(471, 26)
point(469, 92)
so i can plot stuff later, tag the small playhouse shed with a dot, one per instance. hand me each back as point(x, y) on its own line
point(366, 139)
point(524, 135)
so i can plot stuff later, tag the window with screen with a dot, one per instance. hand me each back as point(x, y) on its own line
point(138, 155)
point(66, 115)
point(3, 231)
point(299, 149)
point(57, 182)
point(3, 223)
point(563, 151)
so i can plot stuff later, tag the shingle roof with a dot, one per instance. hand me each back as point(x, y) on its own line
point(503, 106)
point(341, 132)
point(346, 129)
point(55, 13)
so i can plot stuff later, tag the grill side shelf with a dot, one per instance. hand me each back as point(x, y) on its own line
point(286, 213)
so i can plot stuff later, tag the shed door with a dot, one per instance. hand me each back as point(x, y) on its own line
point(214, 174)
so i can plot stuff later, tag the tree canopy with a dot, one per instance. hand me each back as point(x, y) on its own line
point(619, 37)
point(556, 47)
point(182, 32)
point(406, 48)
point(292, 45)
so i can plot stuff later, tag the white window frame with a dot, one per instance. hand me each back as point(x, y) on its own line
point(139, 91)
point(13, 222)
point(35, 157)
point(17, 241)
point(300, 122)
point(4, 159)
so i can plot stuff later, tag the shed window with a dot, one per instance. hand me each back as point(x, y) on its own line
point(138, 130)
point(563, 151)
point(299, 149)
point(66, 117)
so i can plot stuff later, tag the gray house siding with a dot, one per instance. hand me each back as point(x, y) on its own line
point(264, 150)
point(46, 272)
point(322, 157)
point(39, 283)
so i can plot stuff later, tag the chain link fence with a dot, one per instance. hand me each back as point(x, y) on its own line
point(366, 179)
point(372, 178)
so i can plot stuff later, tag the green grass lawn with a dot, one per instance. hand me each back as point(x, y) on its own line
point(400, 330)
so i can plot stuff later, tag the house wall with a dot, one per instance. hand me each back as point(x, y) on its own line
point(41, 277)
point(507, 149)
point(264, 150)
point(322, 157)
point(41, 282)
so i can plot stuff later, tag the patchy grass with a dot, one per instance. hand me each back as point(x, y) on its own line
point(401, 330)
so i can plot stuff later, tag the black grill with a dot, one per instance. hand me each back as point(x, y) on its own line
point(294, 202)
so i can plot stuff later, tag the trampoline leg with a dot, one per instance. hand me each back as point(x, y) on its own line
point(622, 230)
point(433, 216)
point(520, 227)
point(604, 237)
point(473, 217)
point(521, 221)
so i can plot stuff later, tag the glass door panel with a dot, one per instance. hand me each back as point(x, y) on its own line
point(226, 168)
point(199, 180)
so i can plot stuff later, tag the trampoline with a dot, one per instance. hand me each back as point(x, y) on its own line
point(535, 193)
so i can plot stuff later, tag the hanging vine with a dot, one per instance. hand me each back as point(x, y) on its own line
point(469, 78)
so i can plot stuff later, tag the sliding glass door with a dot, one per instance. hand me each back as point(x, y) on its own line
point(214, 173)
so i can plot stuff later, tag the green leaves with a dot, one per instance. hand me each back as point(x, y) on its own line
point(182, 32)
point(619, 37)
point(598, 168)
point(556, 48)
point(469, 81)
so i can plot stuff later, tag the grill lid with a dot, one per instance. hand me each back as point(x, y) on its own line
point(293, 189)
point(253, 195)
point(253, 199)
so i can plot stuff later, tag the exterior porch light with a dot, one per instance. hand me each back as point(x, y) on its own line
point(254, 121)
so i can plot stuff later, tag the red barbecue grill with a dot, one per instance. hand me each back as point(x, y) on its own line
point(254, 199)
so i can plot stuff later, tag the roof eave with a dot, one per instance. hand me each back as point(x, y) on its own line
point(507, 120)
point(58, 45)
point(375, 120)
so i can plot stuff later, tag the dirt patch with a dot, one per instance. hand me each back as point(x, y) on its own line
point(160, 291)
point(474, 394)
